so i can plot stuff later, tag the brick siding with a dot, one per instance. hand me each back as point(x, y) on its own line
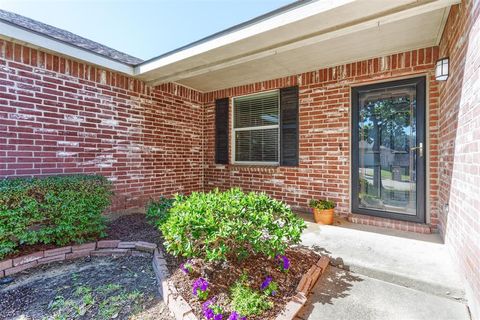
point(459, 147)
point(324, 111)
point(60, 116)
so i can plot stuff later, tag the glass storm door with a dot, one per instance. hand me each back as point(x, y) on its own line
point(388, 150)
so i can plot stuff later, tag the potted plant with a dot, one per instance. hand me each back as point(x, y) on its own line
point(323, 211)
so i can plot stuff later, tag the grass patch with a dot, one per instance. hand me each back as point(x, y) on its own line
point(104, 302)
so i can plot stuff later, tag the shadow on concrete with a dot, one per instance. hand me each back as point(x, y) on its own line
point(334, 284)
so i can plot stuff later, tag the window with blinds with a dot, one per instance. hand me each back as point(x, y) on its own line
point(256, 128)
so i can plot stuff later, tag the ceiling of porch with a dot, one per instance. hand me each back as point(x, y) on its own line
point(305, 37)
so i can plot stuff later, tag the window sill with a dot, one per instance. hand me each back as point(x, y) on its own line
point(254, 168)
point(259, 165)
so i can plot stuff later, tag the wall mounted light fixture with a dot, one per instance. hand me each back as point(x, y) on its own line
point(441, 69)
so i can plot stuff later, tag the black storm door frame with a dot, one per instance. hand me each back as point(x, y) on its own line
point(419, 160)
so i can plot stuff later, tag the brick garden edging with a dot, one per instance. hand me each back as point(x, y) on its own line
point(175, 302)
point(113, 248)
point(183, 311)
point(303, 289)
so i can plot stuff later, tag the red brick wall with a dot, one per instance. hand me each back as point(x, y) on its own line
point(59, 116)
point(459, 125)
point(324, 169)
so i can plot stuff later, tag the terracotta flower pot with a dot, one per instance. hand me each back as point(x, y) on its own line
point(323, 216)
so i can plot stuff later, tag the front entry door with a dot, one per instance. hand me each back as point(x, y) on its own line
point(388, 150)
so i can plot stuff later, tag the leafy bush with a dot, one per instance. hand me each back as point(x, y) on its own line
point(322, 204)
point(157, 211)
point(219, 225)
point(53, 210)
point(247, 301)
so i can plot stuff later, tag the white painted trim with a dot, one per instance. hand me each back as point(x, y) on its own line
point(272, 126)
point(233, 130)
point(446, 12)
point(336, 31)
point(265, 25)
point(256, 163)
point(16, 34)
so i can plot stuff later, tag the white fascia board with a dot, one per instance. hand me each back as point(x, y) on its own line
point(10, 31)
point(378, 21)
point(274, 22)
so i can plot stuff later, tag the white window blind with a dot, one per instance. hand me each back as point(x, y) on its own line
point(256, 128)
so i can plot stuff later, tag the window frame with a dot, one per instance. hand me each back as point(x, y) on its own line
point(234, 130)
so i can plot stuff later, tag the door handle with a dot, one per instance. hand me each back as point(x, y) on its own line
point(419, 148)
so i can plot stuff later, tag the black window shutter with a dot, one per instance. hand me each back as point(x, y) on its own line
point(221, 131)
point(289, 126)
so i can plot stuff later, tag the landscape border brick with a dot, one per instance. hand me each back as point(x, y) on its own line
point(183, 311)
point(304, 287)
point(105, 248)
point(177, 305)
point(174, 301)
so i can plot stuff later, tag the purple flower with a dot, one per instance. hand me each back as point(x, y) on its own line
point(265, 283)
point(207, 304)
point(235, 316)
point(185, 267)
point(208, 313)
point(199, 284)
point(208, 310)
point(285, 262)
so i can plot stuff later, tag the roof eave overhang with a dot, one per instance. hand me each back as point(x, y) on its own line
point(33, 39)
point(146, 70)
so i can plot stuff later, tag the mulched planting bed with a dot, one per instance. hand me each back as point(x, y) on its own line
point(134, 227)
point(92, 288)
point(222, 276)
point(131, 227)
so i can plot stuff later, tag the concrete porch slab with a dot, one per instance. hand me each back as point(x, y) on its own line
point(418, 261)
point(340, 294)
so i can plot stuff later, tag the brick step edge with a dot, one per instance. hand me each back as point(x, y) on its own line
point(304, 287)
point(110, 248)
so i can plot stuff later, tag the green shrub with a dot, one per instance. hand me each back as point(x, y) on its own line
point(52, 210)
point(322, 204)
point(157, 211)
point(220, 225)
point(247, 301)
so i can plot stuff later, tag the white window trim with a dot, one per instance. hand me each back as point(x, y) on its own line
point(234, 130)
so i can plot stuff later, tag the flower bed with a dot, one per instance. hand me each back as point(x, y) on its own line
point(241, 256)
point(264, 277)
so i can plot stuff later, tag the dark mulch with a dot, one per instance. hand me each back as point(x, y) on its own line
point(51, 291)
point(131, 227)
point(134, 227)
point(223, 276)
point(33, 297)
point(100, 288)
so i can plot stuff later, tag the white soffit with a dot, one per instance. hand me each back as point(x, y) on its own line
point(315, 35)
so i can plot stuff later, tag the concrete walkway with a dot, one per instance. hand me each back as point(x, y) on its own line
point(383, 274)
